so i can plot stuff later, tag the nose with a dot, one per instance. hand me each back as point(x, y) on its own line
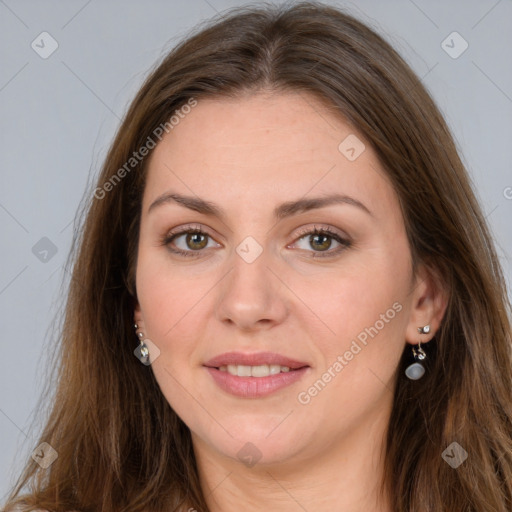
point(252, 295)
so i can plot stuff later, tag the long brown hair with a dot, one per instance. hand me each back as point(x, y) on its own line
point(120, 445)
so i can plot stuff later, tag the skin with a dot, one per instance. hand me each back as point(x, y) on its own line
point(248, 155)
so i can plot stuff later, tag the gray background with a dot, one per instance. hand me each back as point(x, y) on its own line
point(59, 114)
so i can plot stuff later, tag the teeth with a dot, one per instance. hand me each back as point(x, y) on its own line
point(263, 370)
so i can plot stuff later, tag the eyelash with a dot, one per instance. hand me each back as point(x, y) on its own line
point(345, 243)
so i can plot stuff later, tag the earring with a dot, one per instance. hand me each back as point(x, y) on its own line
point(416, 370)
point(144, 351)
point(424, 330)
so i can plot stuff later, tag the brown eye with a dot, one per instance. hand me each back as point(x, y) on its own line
point(195, 240)
point(322, 246)
point(320, 239)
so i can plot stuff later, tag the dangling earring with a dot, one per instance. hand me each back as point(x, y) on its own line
point(416, 370)
point(144, 351)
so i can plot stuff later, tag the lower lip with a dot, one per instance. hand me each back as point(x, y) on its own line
point(255, 387)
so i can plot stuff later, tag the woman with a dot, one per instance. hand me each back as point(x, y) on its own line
point(285, 295)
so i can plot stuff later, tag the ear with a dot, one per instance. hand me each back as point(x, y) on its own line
point(137, 318)
point(428, 305)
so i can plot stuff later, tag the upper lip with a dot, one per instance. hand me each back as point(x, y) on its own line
point(256, 359)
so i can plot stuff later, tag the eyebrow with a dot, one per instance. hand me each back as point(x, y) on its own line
point(286, 209)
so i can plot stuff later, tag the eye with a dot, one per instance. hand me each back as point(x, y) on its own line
point(321, 238)
point(195, 240)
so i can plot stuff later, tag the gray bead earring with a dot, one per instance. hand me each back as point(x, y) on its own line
point(144, 351)
point(416, 370)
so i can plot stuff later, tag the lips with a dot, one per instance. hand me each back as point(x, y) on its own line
point(255, 387)
point(260, 386)
point(257, 359)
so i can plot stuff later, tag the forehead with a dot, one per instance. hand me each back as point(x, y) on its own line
point(265, 149)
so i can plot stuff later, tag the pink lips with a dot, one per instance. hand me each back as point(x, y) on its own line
point(253, 360)
point(254, 387)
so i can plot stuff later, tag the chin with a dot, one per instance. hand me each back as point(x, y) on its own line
point(253, 441)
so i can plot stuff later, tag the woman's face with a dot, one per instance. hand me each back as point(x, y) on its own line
point(256, 284)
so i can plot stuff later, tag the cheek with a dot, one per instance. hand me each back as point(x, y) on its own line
point(367, 310)
point(167, 302)
point(170, 304)
point(347, 302)
point(358, 362)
